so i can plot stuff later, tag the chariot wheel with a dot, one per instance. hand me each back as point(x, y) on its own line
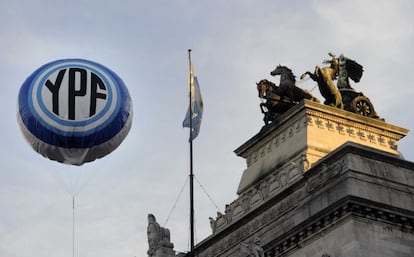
point(363, 106)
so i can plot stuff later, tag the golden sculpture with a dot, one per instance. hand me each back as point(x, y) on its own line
point(325, 77)
point(342, 95)
point(279, 99)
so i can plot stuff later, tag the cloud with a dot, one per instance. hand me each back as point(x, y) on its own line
point(365, 23)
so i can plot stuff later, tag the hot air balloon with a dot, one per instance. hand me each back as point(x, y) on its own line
point(74, 111)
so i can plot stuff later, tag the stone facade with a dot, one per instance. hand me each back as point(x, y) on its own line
point(323, 182)
point(308, 132)
point(356, 201)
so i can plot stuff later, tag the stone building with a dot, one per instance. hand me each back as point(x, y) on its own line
point(319, 182)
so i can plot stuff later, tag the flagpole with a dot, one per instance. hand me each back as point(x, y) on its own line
point(191, 159)
point(73, 226)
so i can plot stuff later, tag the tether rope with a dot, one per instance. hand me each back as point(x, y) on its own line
point(205, 191)
point(179, 197)
point(175, 203)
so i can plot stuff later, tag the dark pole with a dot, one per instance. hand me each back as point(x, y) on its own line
point(191, 159)
point(73, 226)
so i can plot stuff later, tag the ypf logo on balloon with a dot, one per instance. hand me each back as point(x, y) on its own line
point(74, 92)
point(74, 110)
point(77, 86)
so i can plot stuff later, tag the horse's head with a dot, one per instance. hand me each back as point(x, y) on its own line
point(263, 87)
point(284, 72)
point(279, 70)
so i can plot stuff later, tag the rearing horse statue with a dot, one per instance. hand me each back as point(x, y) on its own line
point(275, 104)
point(280, 98)
point(287, 87)
point(324, 77)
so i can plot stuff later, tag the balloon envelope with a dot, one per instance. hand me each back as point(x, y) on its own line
point(74, 111)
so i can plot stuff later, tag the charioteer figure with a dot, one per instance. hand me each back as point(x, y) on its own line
point(342, 95)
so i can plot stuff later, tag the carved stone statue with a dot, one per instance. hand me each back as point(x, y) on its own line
point(212, 224)
point(159, 244)
point(253, 249)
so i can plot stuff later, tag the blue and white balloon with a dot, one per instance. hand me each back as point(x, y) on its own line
point(74, 111)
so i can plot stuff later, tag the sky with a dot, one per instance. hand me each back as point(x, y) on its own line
point(234, 45)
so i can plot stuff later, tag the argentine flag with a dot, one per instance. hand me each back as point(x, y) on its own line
point(196, 107)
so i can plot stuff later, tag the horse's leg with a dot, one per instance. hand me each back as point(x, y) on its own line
point(265, 118)
point(261, 107)
point(304, 74)
point(340, 104)
point(336, 95)
point(310, 74)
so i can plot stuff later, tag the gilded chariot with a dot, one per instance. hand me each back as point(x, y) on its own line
point(278, 99)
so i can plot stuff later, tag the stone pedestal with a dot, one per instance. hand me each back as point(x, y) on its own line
point(308, 132)
point(320, 182)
